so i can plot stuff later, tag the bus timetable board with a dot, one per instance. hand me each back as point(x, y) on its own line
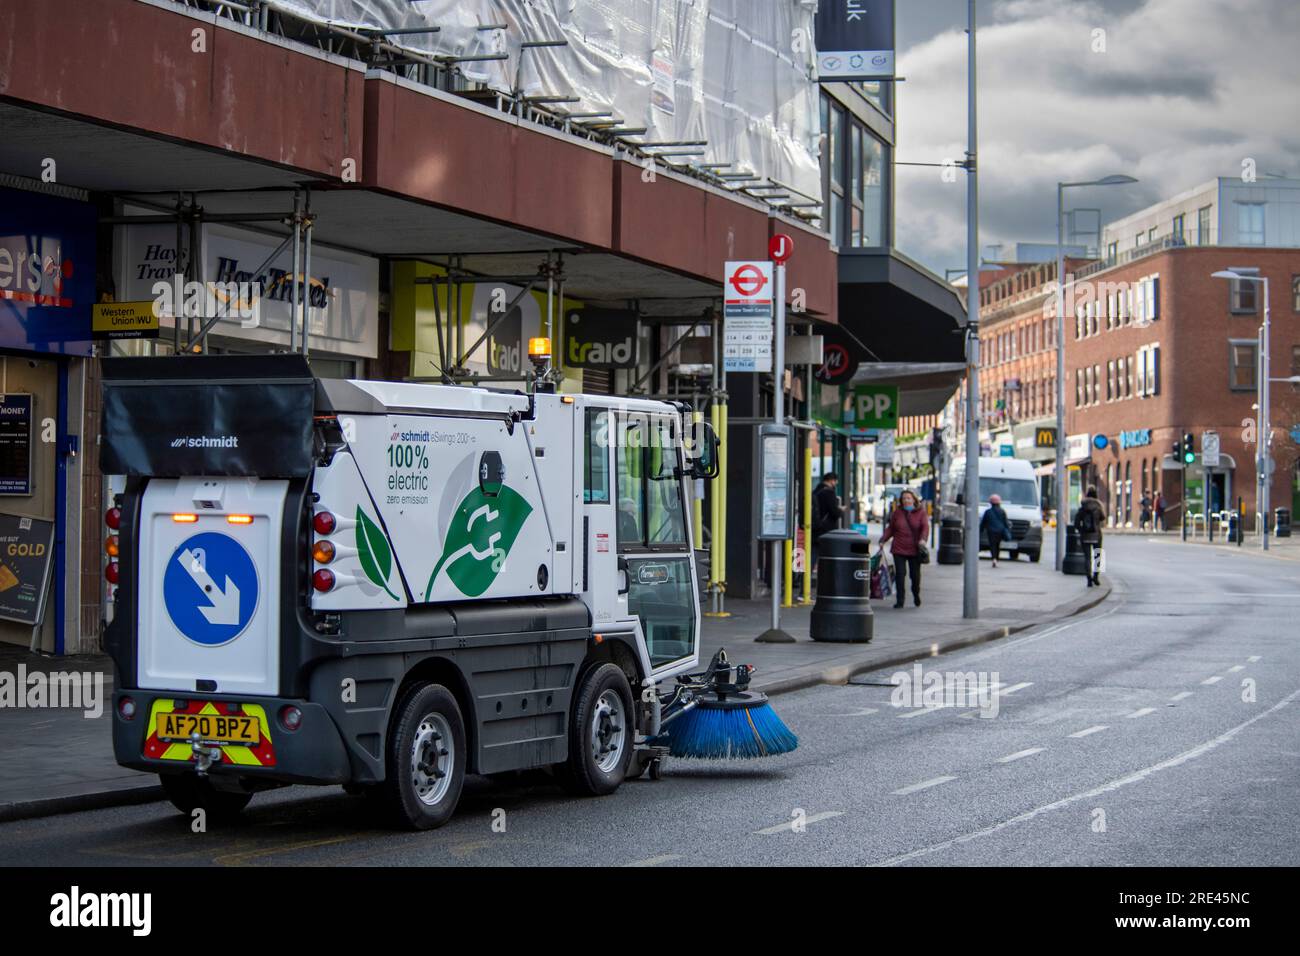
point(15, 444)
point(26, 556)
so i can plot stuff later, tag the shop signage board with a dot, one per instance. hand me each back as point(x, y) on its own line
point(1078, 447)
point(1137, 438)
point(342, 293)
point(124, 320)
point(855, 39)
point(15, 444)
point(874, 406)
point(47, 272)
point(600, 338)
point(26, 553)
point(747, 312)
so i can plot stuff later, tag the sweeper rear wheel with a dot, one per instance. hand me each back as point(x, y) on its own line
point(600, 733)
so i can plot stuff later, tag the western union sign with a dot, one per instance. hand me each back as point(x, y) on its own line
point(123, 320)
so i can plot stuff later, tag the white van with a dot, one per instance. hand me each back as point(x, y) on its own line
point(1013, 480)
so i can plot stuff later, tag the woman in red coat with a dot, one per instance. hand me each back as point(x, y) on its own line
point(909, 528)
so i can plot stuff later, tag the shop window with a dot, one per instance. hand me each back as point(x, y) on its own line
point(1250, 223)
point(1243, 356)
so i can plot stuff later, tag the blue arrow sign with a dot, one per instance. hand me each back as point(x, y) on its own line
point(210, 588)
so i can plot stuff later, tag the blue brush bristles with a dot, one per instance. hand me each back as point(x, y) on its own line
point(736, 733)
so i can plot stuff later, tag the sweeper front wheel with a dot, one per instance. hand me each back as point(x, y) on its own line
point(600, 734)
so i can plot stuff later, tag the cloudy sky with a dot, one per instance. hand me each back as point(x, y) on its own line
point(1183, 91)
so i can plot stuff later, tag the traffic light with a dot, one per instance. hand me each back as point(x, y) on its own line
point(1178, 451)
point(1189, 448)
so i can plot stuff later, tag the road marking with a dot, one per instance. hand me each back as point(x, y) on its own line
point(1015, 687)
point(1142, 713)
point(1136, 777)
point(923, 710)
point(656, 860)
point(1236, 667)
point(1183, 696)
point(1252, 659)
point(861, 712)
point(1091, 730)
point(238, 859)
point(1212, 680)
point(923, 785)
point(1021, 754)
point(789, 826)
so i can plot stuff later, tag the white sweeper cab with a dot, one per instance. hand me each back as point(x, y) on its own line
point(388, 585)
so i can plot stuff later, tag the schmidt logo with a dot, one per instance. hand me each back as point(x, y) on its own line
point(206, 441)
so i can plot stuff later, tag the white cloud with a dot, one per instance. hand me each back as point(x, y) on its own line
point(1183, 92)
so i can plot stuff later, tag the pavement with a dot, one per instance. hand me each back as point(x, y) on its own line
point(59, 760)
point(1156, 729)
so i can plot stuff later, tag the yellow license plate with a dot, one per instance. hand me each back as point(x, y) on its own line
point(211, 728)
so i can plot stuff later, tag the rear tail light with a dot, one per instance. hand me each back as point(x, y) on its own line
point(239, 519)
point(323, 552)
point(126, 707)
point(323, 522)
point(323, 580)
point(110, 572)
point(290, 717)
point(185, 518)
point(113, 517)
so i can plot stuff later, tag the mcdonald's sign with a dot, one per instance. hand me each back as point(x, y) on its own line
point(1045, 438)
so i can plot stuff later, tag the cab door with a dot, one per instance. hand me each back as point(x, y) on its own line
point(655, 560)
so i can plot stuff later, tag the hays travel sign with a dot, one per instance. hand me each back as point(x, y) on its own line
point(342, 293)
point(47, 272)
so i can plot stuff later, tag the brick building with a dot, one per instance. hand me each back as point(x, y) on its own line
point(1154, 348)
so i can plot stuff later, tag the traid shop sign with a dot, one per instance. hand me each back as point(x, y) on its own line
point(599, 338)
point(486, 323)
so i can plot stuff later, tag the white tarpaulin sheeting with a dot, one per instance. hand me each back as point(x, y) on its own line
point(737, 73)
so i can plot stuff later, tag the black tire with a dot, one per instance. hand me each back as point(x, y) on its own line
point(427, 716)
point(189, 792)
point(582, 774)
point(1036, 556)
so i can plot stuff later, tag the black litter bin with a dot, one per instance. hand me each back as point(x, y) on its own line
point(1282, 522)
point(842, 612)
point(950, 541)
point(1234, 527)
point(1075, 561)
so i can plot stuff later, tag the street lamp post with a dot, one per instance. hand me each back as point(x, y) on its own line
point(1265, 429)
point(1062, 508)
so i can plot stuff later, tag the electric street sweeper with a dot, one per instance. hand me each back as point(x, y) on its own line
point(389, 585)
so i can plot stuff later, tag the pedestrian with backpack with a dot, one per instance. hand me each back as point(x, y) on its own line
point(1089, 520)
point(995, 526)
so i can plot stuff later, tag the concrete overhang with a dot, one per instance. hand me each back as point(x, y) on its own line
point(900, 310)
point(924, 388)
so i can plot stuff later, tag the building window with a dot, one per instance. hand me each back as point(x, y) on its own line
point(1078, 388)
point(1176, 231)
point(1151, 234)
point(1121, 373)
point(1295, 293)
point(1110, 381)
point(1096, 375)
point(1250, 223)
point(1295, 365)
point(1203, 226)
point(1112, 252)
point(1242, 296)
point(1243, 356)
point(1139, 239)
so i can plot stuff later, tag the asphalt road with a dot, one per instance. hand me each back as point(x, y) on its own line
point(1160, 728)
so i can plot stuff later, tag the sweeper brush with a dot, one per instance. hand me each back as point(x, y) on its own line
point(714, 715)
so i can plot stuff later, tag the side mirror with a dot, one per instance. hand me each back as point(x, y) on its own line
point(704, 464)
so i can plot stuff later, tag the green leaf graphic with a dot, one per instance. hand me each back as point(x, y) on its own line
point(481, 533)
point(372, 548)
